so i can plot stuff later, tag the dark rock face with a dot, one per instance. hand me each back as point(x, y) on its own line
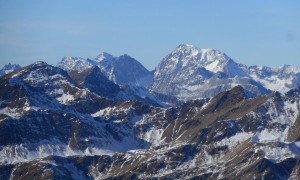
point(78, 125)
point(95, 81)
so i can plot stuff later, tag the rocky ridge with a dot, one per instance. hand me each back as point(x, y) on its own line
point(9, 68)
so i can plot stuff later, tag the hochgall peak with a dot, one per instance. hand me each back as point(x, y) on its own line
point(187, 49)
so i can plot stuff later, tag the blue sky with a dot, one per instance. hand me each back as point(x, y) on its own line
point(251, 32)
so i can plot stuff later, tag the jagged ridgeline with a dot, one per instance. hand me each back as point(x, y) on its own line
point(198, 115)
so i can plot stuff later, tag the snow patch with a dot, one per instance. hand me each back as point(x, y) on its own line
point(153, 136)
point(65, 98)
point(11, 112)
point(273, 135)
point(233, 141)
point(23, 153)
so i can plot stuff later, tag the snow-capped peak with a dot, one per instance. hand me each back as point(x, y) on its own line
point(189, 68)
point(213, 60)
point(183, 46)
point(104, 56)
point(39, 63)
point(66, 58)
point(75, 63)
point(185, 50)
point(190, 56)
point(9, 68)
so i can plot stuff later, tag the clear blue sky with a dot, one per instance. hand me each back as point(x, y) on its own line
point(265, 32)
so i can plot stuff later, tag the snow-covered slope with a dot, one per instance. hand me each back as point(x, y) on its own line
point(279, 79)
point(9, 68)
point(75, 63)
point(46, 112)
point(189, 72)
point(123, 70)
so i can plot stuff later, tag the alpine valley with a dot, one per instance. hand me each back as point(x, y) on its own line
point(198, 115)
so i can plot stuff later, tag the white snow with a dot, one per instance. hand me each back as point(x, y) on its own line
point(11, 112)
point(104, 56)
point(281, 152)
point(213, 67)
point(234, 140)
point(153, 136)
point(21, 153)
point(102, 112)
point(273, 135)
point(65, 98)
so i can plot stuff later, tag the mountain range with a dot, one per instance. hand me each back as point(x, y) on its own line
point(190, 73)
point(198, 115)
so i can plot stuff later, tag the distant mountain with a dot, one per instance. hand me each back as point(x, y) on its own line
point(93, 79)
point(189, 72)
point(123, 70)
point(280, 79)
point(9, 68)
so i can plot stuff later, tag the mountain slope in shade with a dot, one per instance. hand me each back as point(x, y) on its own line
point(93, 79)
point(9, 68)
point(123, 70)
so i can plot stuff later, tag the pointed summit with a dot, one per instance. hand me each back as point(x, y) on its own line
point(39, 64)
point(184, 46)
point(185, 50)
point(191, 72)
point(75, 63)
point(9, 68)
point(104, 56)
